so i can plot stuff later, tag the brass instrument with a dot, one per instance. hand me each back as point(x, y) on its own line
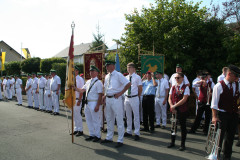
point(213, 139)
point(174, 123)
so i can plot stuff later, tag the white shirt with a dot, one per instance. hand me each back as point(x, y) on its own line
point(217, 90)
point(29, 83)
point(135, 82)
point(79, 84)
point(95, 90)
point(9, 83)
point(166, 77)
point(13, 82)
point(116, 84)
point(186, 91)
point(196, 88)
point(41, 82)
point(161, 87)
point(221, 77)
point(54, 83)
point(18, 83)
point(47, 84)
point(35, 83)
point(174, 82)
point(4, 81)
point(197, 85)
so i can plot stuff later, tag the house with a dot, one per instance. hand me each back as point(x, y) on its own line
point(79, 50)
point(11, 54)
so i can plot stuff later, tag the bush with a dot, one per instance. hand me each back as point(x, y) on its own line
point(46, 64)
point(13, 67)
point(31, 65)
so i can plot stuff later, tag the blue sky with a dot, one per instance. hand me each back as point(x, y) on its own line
point(44, 26)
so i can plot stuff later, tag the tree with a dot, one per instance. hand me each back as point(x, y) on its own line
point(13, 68)
point(31, 65)
point(98, 40)
point(46, 64)
point(182, 31)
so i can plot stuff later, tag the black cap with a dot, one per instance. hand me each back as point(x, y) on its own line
point(234, 69)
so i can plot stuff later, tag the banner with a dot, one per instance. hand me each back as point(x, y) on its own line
point(152, 63)
point(70, 97)
point(2, 59)
point(26, 53)
point(93, 59)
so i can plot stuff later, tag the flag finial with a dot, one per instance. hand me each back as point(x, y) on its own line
point(73, 25)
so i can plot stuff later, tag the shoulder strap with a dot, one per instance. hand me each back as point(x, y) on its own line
point(91, 87)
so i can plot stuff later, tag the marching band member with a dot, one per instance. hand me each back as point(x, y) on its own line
point(161, 100)
point(18, 86)
point(196, 89)
point(131, 101)
point(173, 81)
point(115, 85)
point(225, 109)
point(28, 90)
point(40, 89)
point(4, 87)
point(204, 98)
point(47, 95)
point(13, 86)
point(9, 85)
point(223, 75)
point(178, 96)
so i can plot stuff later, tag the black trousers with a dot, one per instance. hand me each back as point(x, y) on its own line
point(202, 107)
point(148, 111)
point(228, 127)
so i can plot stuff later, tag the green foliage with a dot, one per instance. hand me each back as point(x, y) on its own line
point(13, 67)
point(122, 59)
point(180, 30)
point(61, 72)
point(46, 64)
point(98, 40)
point(31, 65)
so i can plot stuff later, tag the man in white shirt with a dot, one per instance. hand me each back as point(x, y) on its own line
point(13, 86)
point(55, 87)
point(40, 89)
point(94, 92)
point(18, 86)
point(115, 85)
point(35, 91)
point(47, 95)
point(4, 87)
point(172, 80)
point(196, 89)
point(0, 89)
point(28, 90)
point(131, 101)
point(161, 100)
point(9, 85)
point(223, 75)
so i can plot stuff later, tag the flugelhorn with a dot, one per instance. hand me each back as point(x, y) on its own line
point(213, 139)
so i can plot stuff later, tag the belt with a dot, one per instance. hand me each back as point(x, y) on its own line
point(151, 95)
point(131, 96)
point(110, 96)
point(92, 100)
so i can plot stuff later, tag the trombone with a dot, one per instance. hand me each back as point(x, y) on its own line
point(213, 139)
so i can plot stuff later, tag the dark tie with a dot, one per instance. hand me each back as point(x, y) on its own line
point(129, 89)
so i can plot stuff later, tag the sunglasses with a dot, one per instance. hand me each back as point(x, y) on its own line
point(178, 77)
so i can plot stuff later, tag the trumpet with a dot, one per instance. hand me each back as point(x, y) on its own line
point(174, 123)
point(213, 139)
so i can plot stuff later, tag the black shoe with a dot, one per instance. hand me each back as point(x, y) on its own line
point(106, 141)
point(163, 127)
point(89, 138)
point(182, 148)
point(191, 131)
point(56, 113)
point(96, 139)
point(136, 137)
point(75, 132)
point(127, 134)
point(157, 126)
point(119, 144)
point(80, 133)
point(171, 145)
point(52, 113)
point(145, 130)
point(238, 143)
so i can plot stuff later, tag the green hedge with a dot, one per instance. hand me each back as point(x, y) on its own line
point(13, 67)
point(31, 65)
point(47, 64)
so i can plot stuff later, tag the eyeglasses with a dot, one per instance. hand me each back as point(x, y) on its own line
point(178, 77)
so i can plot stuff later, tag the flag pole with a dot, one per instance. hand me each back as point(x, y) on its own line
point(73, 26)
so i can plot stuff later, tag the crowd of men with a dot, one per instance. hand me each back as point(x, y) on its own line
point(140, 100)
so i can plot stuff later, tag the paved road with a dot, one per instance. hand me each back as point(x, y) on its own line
point(26, 134)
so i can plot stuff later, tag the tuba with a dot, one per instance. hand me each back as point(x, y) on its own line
point(213, 139)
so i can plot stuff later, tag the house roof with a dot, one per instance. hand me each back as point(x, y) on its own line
point(78, 50)
point(11, 49)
